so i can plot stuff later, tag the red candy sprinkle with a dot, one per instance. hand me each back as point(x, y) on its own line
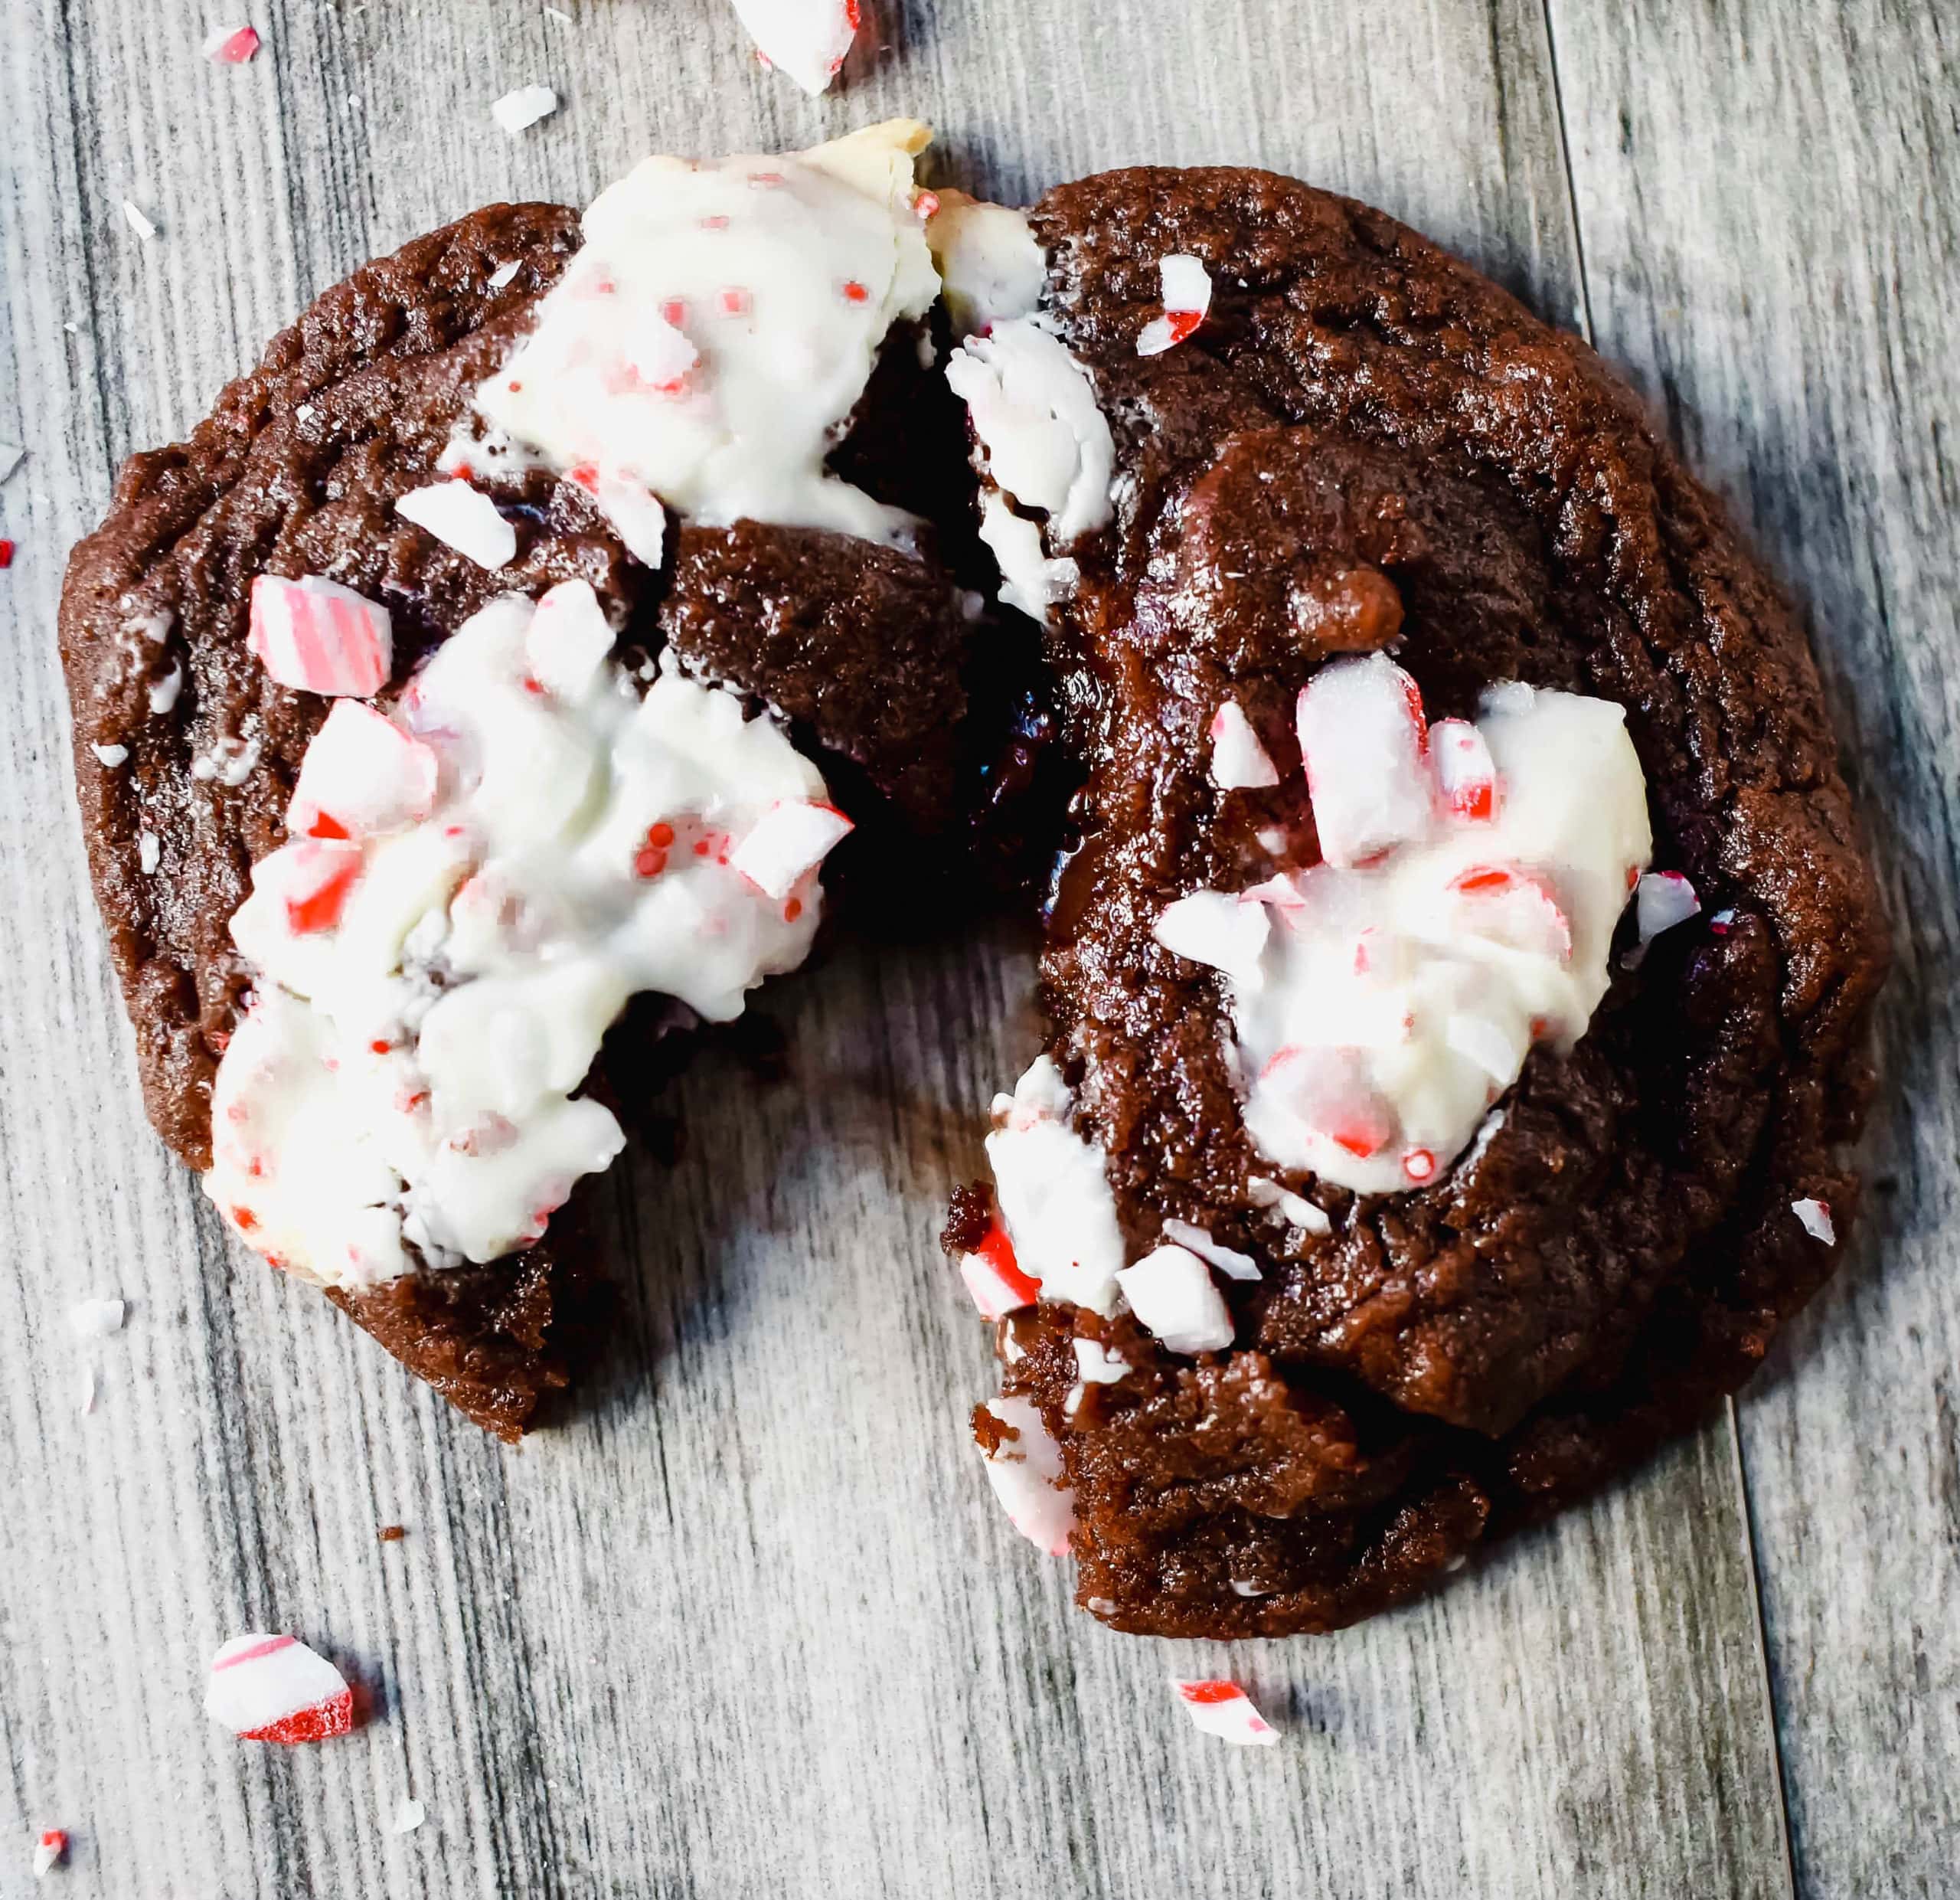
point(6, 554)
point(855, 292)
point(925, 204)
point(734, 302)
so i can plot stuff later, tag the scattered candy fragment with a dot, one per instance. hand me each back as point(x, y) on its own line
point(231, 45)
point(1186, 298)
point(568, 639)
point(110, 756)
point(1095, 1365)
point(1365, 749)
point(149, 851)
point(362, 775)
point(1512, 906)
point(318, 636)
point(308, 879)
point(392, 1533)
point(1213, 928)
point(88, 1392)
point(524, 107)
point(1224, 1709)
point(137, 222)
point(804, 39)
point(50, 1851)
point(464, 519)
point(1229, 1261)
point(275, 1689)
point(1239, 762)
point(1023, 1470)
point(502, 275)
point(1295, 1208)
point(1172, 1292)
point(994, 1278)
point(1815, 1216)
point(410, 1813)
point(96, 1319)
point(790, 837)
point(1464, 772)
point(11, 455)
point(1661, 900)
point(6, 554)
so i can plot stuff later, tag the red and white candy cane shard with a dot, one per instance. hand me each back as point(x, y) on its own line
point(1187, 299)
point(1815, 1216)
point(658, 353)
point(1365, 749)
point(50, 1851)
point(275, 1689)
point(1661, 900)
point(1223, 1709)
point(1516, 908)
point(462, 518)
point(805, 40)
point(1239, 762)
point(568, 639)
point(792, 837)
point(231, 45)
point(319, 637)
point(1026, 1472)
point(994, 1278)
point(1464, 771)
point(362, 775)
point(309, 880)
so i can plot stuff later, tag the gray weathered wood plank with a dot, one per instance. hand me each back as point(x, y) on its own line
point(750, 1625)
point(1773, 238)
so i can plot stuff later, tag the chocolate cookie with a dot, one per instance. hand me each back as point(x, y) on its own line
point(188, 749)
point(1362, 447)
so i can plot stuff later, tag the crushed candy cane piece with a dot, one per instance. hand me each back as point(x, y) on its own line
point(1213, 928)
point(1187, 299)
point(1661, 900)
point(306, 882)
point(11, 455)
point(568, 640)
point(96, 1319)
point(1816, 1216)
point(50, 1851)
point(1228, 1261)
point(149, 851)
point(791, 838)
point(1172, 1292)
point(502, 275)
point(88, 1391)
point(1223, 1709)
point(275, 1689)
point(361, 775)
point(1239, 762)
point(231, 45)
point(1025, 1471)
point(994, 1278)
point(110, 756)
point(318, 636)
point(805, 40)
point(464, 519)
point(1097, 1364)
point(1295, 1208)
point(410, 1813)
point(1366, 749)
point(1464, 772)
point(141, 226)
point(517, 110)
point(6, 554)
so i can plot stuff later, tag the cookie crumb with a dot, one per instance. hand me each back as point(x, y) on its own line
point(392, 1533)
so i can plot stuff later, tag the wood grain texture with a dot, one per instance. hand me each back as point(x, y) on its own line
point(750, 1625)
point(1772, 241)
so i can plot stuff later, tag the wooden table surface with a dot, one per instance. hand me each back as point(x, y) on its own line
point(751, 1625)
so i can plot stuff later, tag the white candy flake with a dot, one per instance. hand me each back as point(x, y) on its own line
point(96, 1319)
point(463, 518)
point(524, 107)
point(1816, 1216)
point(137, 222)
